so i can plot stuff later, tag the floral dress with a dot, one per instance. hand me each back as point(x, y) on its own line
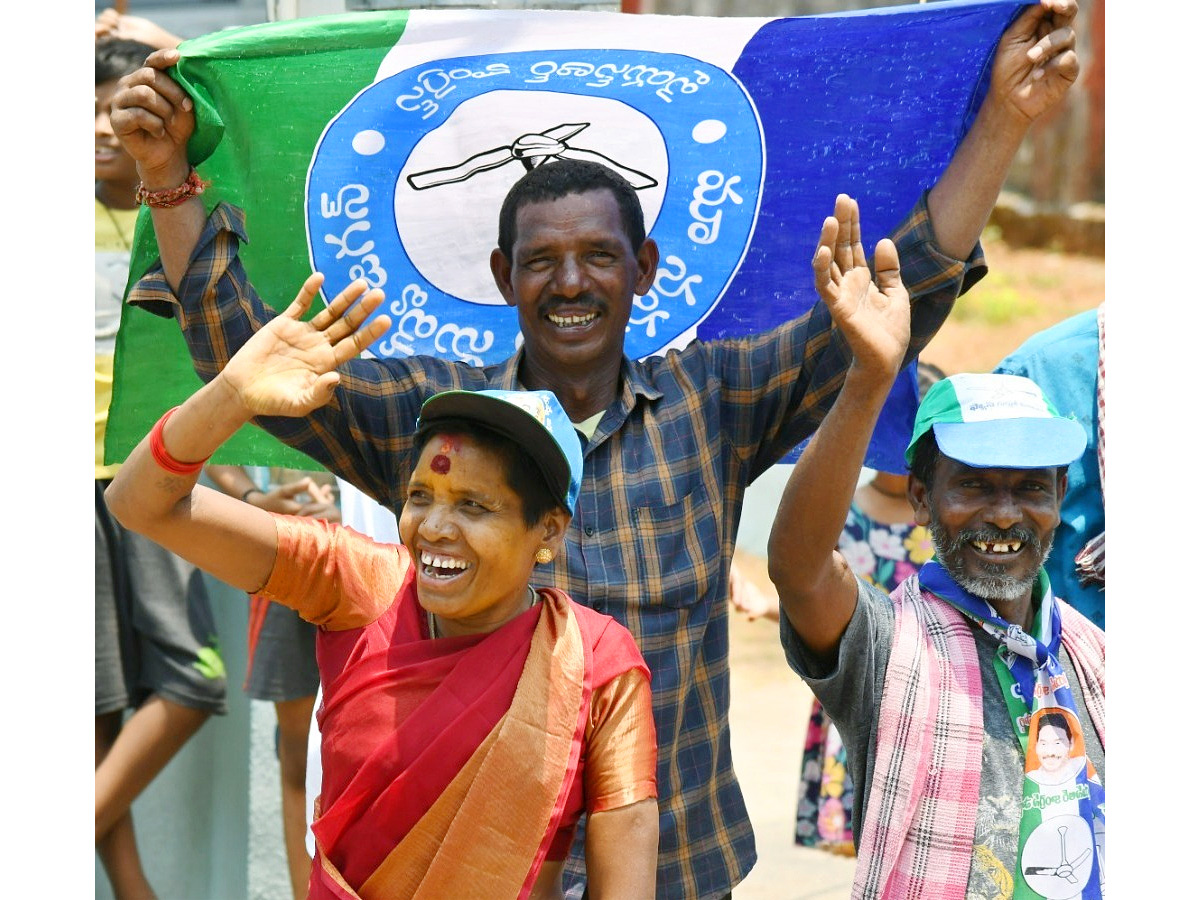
point(883, 555)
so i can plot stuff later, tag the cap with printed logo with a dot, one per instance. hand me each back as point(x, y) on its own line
point(991, 421)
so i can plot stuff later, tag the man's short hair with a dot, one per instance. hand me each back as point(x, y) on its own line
point(925, 457)
point(554, 180)
point(117, 57)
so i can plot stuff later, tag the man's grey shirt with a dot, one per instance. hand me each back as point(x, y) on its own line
point(851, 692)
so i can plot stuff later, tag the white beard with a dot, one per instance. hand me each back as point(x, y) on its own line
point(1000, 587)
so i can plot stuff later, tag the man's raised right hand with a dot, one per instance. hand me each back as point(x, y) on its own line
point(872, 315)
point(153, 118)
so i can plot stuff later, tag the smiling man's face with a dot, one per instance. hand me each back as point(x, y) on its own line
point(992, 528)
point(572, 278)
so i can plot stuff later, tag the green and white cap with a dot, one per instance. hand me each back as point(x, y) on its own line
point(996, 422)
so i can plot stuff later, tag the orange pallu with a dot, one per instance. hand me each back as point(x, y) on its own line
point(472, 747)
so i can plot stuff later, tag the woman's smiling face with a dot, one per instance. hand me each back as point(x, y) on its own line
point(465, 528)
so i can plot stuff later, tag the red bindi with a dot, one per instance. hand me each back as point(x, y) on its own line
point(440, 464)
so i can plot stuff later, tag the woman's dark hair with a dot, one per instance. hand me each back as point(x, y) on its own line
point(523, 476)
point(927, 376)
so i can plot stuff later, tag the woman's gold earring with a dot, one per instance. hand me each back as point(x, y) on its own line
point(544, 555)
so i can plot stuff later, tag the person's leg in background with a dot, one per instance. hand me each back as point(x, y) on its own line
point(142, 748)
point(155, 652)
point(282, 669)
point(293, 717)
point(118, 847)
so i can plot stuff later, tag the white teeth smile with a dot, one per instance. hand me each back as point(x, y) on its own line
point(571, 321)
point(433, 563)
point(997, 547)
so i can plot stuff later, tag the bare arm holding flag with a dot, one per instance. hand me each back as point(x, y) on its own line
point(1034, 66)
point(154, 117)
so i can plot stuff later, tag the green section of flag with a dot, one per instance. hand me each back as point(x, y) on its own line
point(277, 86)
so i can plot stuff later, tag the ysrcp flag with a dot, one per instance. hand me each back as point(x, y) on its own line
point(380, 145)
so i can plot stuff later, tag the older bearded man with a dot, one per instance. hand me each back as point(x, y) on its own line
point(937, 689)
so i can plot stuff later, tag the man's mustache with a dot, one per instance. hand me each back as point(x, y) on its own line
point(587, 302)
point(1015, 534)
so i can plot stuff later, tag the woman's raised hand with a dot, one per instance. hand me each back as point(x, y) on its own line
point(289, 367)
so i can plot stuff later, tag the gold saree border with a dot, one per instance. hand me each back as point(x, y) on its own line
point(491, 824)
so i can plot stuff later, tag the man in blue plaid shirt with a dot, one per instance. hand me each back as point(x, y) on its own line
point(670, 443)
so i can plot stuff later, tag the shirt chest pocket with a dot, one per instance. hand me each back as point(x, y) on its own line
point(678, 549)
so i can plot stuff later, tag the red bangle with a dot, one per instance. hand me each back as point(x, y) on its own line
point(165, 460)
point(193, 186)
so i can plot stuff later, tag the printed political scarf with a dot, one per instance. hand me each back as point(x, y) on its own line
point(1060, 853)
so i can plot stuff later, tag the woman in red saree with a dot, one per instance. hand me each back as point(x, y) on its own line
point(468, 720)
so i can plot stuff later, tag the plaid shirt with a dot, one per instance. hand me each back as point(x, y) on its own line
point(664, 476)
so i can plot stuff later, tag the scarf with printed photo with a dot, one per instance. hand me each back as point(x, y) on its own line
point(1060, 853)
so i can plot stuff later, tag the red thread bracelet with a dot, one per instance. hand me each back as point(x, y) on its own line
point(167, 198)
point(165, 460)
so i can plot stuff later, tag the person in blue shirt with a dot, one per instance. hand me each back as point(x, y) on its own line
point(1066, 360)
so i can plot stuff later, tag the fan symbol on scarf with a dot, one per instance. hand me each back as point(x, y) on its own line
point(1064, 869)
point(531, 150)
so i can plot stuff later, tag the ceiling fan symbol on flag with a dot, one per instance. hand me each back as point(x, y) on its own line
point(1065, 868)
point(531, 150)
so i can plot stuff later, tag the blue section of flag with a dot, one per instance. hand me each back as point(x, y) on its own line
point(873, 104)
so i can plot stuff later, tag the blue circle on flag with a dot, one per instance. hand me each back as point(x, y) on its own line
point(402, 172)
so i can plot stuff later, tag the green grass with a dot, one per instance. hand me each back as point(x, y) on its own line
point(995, 301)
point(1048, 281)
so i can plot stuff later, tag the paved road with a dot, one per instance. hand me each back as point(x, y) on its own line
point(769, 710)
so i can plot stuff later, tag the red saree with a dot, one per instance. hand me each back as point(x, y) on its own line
point(448, 763)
